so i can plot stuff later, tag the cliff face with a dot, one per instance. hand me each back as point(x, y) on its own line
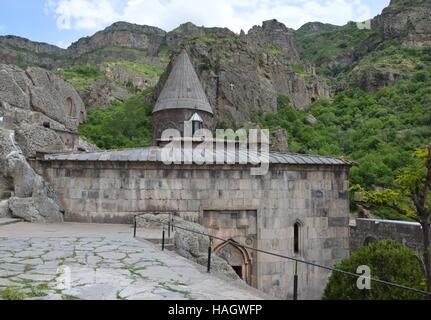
point(407, 21)
point(37, 105)
point(276, 38)
point(20, 51)
point(243, 73)
point(39, 112)
point(121, 34)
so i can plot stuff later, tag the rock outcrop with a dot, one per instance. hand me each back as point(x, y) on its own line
point(21, 51)
point(190, 245)
point(4, 209)
point(27, 195)
point(279, 141)
point(44, 110)
point(101, 94)
point(408, 21)
point(38, 90)
point(240, 79)
point(310, 120)
point(39, 112)
point(121, 34)
point(274, 37)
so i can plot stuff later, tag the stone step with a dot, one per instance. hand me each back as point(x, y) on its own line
point(7, 221)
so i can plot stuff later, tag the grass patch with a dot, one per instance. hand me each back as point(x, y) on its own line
point(148, 71)
point(135, 270)
point(38, 291)
point(12, 293)
point(28, 268)
point(166, 286)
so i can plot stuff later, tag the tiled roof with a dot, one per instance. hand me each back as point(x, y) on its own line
point(154, 154)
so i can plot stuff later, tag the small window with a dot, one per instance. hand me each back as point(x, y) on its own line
point(197, 123)
point(296, 237)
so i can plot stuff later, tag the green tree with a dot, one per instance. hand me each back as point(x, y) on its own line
point(388, 260)
point(411, 198)
point(126, 124)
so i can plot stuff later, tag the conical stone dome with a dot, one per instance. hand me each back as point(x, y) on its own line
point(183, 89)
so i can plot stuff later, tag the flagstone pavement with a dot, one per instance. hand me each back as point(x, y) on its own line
point(101, 262)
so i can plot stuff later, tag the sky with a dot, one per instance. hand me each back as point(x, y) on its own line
point(61, 22)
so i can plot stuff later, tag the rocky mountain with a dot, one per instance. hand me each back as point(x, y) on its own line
point(242, 73)
point(130, 57)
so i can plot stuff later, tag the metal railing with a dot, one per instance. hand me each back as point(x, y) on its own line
point(171, 227)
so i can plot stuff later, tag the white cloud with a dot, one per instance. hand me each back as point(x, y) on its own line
point(82, 14)
point(2, 29)
point(234, 14)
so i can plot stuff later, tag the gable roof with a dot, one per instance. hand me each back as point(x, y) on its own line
point(183, 90)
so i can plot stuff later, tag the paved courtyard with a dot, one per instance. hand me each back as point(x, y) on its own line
point(82, 261)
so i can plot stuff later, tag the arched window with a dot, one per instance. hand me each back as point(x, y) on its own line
point(297, 238)
point(69, 106)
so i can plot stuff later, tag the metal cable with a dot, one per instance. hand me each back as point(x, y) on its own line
point(290, 258)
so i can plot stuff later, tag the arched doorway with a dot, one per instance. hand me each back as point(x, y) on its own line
point(238, 258)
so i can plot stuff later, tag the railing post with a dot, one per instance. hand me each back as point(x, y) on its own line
point(163, 238)
point(172, 224)
point(134, 230)
point(209, 255)
point(295, 282)
point(169, 226)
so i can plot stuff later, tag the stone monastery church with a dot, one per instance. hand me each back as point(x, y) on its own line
point(299, 208)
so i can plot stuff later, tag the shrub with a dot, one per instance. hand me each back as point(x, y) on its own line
point(389, 261)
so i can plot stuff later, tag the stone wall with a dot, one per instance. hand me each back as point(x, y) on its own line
point(316, 196)
point(364, 231)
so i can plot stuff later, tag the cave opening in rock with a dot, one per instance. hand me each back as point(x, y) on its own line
point(69, 106)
